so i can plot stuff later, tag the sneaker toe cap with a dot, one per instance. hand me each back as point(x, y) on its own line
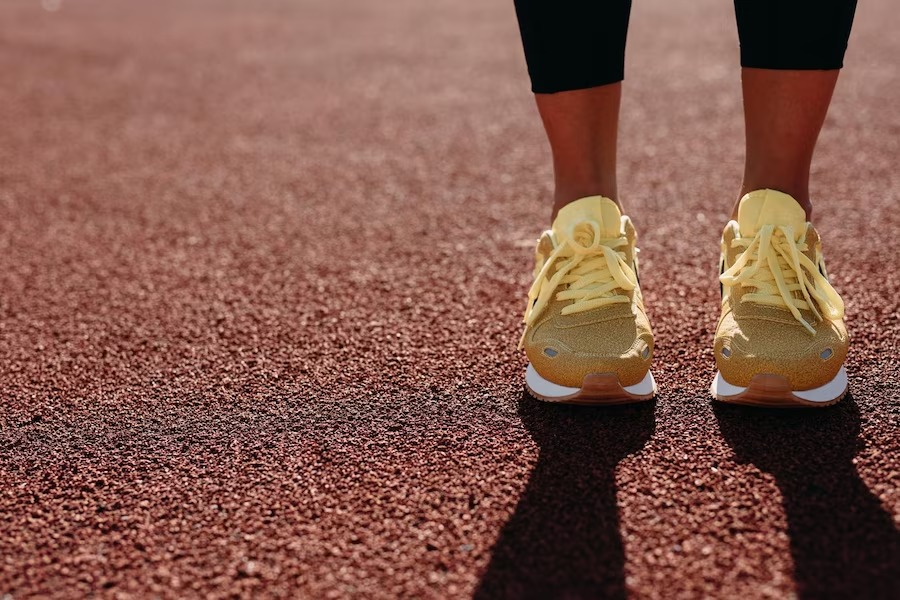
point(566, 355)
point(755, 346)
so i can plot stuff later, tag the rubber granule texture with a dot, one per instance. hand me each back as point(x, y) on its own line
point(262, 268)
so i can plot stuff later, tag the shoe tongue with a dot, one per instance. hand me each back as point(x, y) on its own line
point(593, 208)
point(769, 207)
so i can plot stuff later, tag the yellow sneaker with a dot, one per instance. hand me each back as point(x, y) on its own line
point(586, 335)
point(781, 339)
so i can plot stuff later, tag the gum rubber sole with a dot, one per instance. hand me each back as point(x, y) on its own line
point(598, 389)
point(774, 391)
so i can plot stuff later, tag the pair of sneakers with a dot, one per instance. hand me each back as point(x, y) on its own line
point(780, 339)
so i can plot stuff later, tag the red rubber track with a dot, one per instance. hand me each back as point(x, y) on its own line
point(262, 267)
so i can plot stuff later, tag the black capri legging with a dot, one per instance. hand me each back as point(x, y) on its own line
point(575, 44)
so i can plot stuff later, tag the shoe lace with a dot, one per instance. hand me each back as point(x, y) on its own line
point(774, 264)
point(591, 268)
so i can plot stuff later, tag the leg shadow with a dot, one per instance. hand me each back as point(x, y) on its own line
point(563, 540)
point(843, 542)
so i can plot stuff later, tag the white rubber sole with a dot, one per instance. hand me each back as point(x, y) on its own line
point(597, 388)
point(775, 391)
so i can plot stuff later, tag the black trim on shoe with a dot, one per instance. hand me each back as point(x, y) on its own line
point(721, 270)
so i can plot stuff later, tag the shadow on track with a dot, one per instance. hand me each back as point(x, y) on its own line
point(844, 544)
point(563, 540)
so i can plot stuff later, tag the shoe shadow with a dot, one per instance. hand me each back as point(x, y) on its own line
point(563, 540)
point(843, 542)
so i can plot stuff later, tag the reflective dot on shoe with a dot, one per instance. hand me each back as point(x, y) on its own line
point(826, 354)
point(550, 352)
point(726, 351)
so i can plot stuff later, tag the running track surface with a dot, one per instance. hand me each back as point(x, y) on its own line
point(262, 267)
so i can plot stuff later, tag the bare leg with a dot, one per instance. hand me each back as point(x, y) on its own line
point(783, 114)
point(582, 126)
